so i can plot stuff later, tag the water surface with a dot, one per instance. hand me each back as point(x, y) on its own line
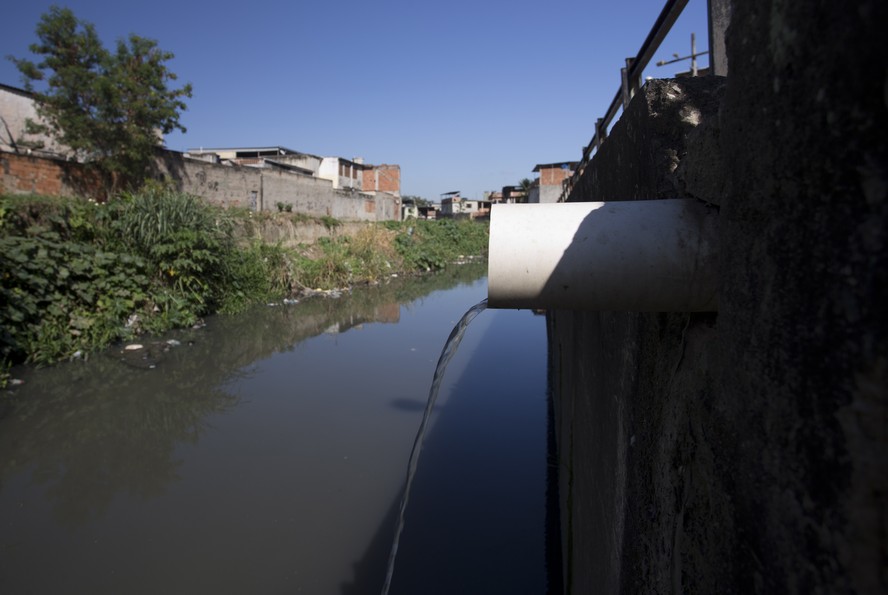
point(267, 454)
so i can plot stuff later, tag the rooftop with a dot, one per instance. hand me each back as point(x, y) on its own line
point(559, 165)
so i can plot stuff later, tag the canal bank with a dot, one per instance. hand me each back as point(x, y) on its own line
point(78, 276)
point(741, 451)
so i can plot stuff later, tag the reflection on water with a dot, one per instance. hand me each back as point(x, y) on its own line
point(263, 454)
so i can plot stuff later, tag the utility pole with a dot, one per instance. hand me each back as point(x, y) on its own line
point(692, 57)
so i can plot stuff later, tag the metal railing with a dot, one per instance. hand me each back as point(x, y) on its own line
point(718, 15)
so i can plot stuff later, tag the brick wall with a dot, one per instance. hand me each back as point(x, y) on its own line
point(552, 176)
point(389, 178)
point(368, 179)
point(26, 174)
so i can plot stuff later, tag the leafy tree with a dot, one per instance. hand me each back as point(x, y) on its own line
point(109, 108)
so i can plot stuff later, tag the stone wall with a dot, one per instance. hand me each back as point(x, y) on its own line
point(743, 451)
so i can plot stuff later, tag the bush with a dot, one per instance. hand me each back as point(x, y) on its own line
point(59, 297)
point(78, 276)
point(184, 240)
point(257, 273)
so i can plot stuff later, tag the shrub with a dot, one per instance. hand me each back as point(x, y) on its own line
point(59, 297)
point(184, 240)
point(78, 276)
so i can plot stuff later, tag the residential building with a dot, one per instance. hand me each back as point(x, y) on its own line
point(512, 195)
point(17, 106)
point(409, 209)
point(271, 157)
point(551, 180)
point(382, 178)
point(454, 206)
point(429, 212)
point(344, 174)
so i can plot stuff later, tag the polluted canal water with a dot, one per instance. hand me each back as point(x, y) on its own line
point(266, 454)
point(447, 353)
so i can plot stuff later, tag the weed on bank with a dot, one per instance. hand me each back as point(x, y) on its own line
point(78, 276)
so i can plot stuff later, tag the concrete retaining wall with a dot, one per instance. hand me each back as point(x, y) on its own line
point(743, 451)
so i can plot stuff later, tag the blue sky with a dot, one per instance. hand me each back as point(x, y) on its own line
point(463, 95)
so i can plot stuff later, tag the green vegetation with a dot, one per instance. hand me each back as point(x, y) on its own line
point(106, 107)
point(431, 245)
point(79, 275)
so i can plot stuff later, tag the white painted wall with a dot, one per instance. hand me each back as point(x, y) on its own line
point(329, 170)
point(15, 109)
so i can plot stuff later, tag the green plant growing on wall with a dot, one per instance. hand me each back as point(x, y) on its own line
point(108, 108)
point(330, 222)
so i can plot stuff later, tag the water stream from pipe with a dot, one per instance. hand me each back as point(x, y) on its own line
point(447, 354)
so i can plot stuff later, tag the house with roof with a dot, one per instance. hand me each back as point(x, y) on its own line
point(512, 195)
point(551, 180)
point(344, 174)
point(262, 157)
point(455, 206)
point(17, 106)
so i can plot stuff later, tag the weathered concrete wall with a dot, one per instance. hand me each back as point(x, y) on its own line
point(804, 359)
point(626, 383)
point(548, 194)
point(228, 186)
point(744, 451)
point(235, 186)
point(290, 235)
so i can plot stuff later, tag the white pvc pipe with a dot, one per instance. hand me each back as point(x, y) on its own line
point(646, 256)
